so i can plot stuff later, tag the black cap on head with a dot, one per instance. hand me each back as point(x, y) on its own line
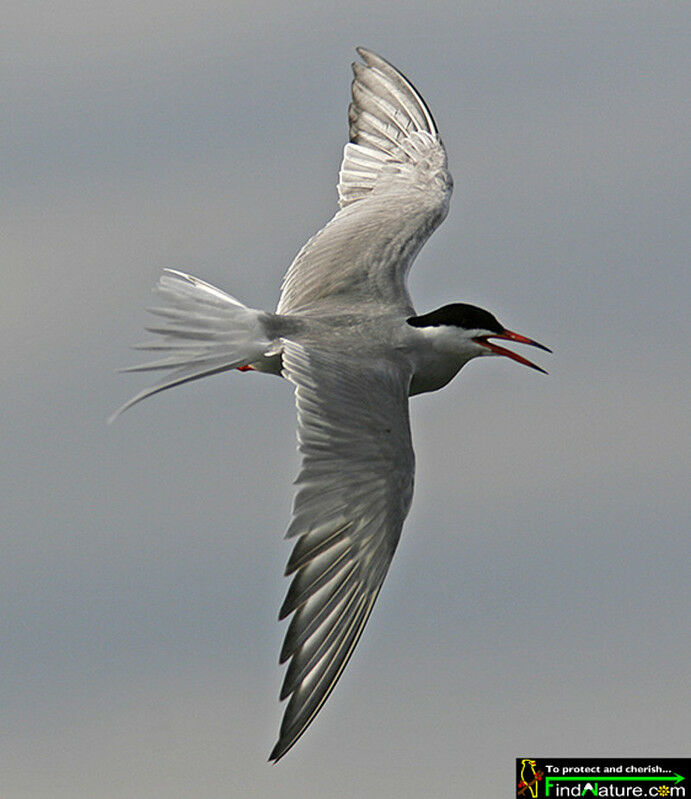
point(458, 314)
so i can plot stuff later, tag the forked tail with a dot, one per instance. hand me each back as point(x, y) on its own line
point(205, 331)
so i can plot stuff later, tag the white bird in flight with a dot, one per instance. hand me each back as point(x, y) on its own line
point(345, 333)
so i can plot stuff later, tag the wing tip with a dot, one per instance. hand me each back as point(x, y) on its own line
point(279, 750)
point(369, 56)
point(373, 60)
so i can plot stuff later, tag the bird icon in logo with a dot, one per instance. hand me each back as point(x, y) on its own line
point(530, 778)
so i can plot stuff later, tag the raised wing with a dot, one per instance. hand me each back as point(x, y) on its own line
point(354, 492)
point(393, 189)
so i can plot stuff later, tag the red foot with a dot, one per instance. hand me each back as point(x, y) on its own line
point(247, 368)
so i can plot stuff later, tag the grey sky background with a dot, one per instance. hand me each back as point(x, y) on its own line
point(538, 602)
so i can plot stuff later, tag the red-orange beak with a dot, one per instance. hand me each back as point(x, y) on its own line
point(509, 335)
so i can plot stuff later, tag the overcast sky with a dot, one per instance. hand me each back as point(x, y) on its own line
point(538, 601)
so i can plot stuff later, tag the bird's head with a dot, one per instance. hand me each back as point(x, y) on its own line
point(469, 331)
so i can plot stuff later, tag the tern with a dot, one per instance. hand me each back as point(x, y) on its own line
point(346, 335)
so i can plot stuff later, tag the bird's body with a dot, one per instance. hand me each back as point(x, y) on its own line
point(345, 333)
point(433, 360)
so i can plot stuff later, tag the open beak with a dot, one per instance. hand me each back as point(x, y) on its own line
point(509, 335)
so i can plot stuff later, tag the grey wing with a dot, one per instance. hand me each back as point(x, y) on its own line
point(354, 491)
point(394, 189)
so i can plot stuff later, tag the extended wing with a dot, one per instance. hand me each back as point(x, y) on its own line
point(394, 190)
point(354, 491)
